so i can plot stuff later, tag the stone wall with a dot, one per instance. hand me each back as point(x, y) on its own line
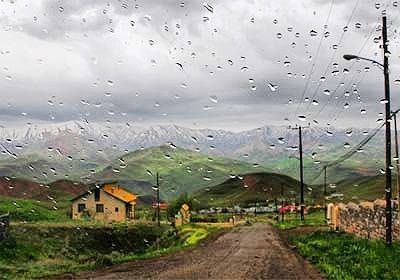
point(366, 219)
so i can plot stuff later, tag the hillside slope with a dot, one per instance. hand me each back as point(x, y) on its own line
point(23, 188)
point(180, 170)
point(250, 188)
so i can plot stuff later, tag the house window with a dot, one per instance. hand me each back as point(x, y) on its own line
point(81, 207)
point(97, 194)
point(116, 209)
point(99, 208)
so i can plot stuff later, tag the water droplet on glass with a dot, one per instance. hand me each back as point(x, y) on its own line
point(272, 87)
point(287, 63)
point(208, 7)
point(214, 98)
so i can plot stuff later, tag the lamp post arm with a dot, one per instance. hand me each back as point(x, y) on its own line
point(371, 60)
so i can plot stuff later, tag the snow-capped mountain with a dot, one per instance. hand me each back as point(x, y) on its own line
point(111, 140)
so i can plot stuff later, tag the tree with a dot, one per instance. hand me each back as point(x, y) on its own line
point(176, 205)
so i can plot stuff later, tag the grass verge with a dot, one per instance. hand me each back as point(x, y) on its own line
point(344, 256)
point(292, 220)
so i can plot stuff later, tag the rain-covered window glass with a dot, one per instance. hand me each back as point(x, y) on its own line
point(134, 129)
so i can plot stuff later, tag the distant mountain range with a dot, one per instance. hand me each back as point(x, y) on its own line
point(81, 149)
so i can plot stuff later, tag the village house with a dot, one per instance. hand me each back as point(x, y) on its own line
point(105, 202)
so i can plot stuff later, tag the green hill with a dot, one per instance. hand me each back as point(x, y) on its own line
point(45, 170)
point(180, 170)
point(251, 188)
point(363, 188)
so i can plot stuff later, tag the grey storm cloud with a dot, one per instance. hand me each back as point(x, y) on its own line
point(237, 65)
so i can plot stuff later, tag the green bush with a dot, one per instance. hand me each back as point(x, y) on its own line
point(41, 250)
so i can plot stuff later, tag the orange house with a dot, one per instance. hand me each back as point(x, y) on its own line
point(106, 202)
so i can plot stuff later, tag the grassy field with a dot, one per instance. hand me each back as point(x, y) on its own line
point(45, 249)
point(343, 256)
point(29, 210)
point(292, 220)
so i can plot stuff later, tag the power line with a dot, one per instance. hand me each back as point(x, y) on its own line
point(335, 50)
point(355, 149)
point(315, 58)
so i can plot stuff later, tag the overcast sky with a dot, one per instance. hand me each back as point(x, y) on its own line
point(231, 64)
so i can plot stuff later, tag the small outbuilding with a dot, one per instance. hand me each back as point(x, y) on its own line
point(105, 202)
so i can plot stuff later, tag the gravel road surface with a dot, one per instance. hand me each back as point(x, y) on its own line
point(246, 252)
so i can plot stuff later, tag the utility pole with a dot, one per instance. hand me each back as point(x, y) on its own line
point(388, 187)
point(301, 173)
point(325, 206)
point(158, 199)
point(301, 176)
point(397, 155)
point(388, 140)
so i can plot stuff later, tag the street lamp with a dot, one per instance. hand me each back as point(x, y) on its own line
point(388, 186)
point(352, 56)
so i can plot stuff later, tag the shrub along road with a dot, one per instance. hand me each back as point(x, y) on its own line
point(247, 252)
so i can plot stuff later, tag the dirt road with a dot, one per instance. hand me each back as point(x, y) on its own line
point(247, 252)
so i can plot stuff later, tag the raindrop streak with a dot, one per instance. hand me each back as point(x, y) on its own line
point(214, 98)
point(180, 66)
point(272, 87)
point(208, 7)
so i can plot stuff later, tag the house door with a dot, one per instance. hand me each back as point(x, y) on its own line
point(129, 211)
